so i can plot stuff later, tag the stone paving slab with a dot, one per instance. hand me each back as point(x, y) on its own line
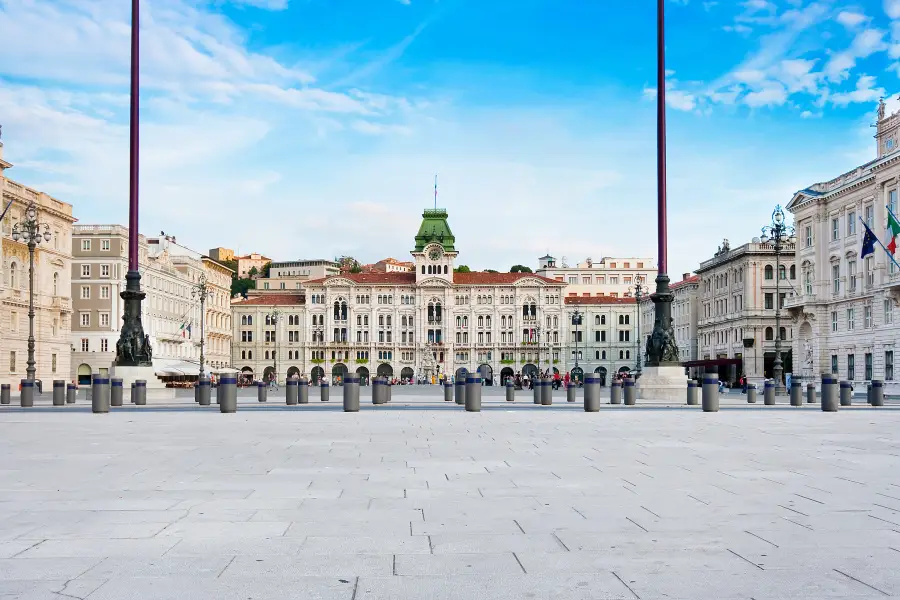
point(420, 499)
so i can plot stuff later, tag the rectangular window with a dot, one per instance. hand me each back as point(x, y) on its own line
point(85, 319)
point(867, 316)
point(892, 201)
point(104, 345)
point(889, 365)
point(851, 222)
point(851, 367)
point(12, 362)
point(85, 292)
point(85, 245)
point(836, 278)
point(870, 272)
point(850, 319)
point(104, 319)
point(888, 312)
point(84, 344)
point(868, 359)
point(596, 336)
point(586, 281)
point(104, 245)
point(53, 363)
point(573, 279)
point(104, 292)
point(770, 301)
point(809, 236)
point(851, 274)
point(834, 364)
point(614, 281)
point(834, 321)
point(85, 270)
point(870, 216)
point(835, 230)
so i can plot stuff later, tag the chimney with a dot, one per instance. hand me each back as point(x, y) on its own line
point(685, 276)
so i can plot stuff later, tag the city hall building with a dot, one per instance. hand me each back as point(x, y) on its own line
point(416, 324)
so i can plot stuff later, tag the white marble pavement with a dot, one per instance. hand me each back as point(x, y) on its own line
point(530, 503)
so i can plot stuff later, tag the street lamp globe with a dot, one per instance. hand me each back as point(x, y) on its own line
point(764, 239)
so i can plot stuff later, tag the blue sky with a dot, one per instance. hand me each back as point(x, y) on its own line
point(310, 128)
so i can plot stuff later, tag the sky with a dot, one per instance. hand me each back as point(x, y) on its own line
point(314, 128)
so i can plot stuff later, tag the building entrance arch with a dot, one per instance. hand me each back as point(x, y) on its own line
point(461, 374)
point(84, 374)
point(577, 374)
point(486, 373)
point(293, 371)
point(338, 371)
point(603, 373)
point(363, 373)
point(268, 373)
point(530, 371)
point(316, 375)
point(506, 373)
point(407, 373)
point(385, 370)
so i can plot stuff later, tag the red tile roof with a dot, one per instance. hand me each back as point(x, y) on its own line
point(691, 279)
point(273, 300)
point(480, 278)
point(597, 300)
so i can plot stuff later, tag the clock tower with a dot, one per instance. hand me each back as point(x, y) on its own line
point(435, 252)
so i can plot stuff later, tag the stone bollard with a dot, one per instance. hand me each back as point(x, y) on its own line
point(99, 393)
point(536, 387)
point(570, 392)
point(846, 394)
point(473, 393)
point(546, 391)
point(615, 392)
point(324, 392)
point(115, 391)
point(591, 393)
point(292, 391)
point(71, 391)
point(351, 392)
point(692, 393)
point(205, 391)
point(830, 392)
point(228, 394)
point(4, 393)
point(796, 393)
point(510, 390)
point(196, 391)
point(877, 392)
point(751, 393)
point(769, 393)
point(389, 389)
point(134, 391)
point(377, 390)
point(303, 391)
point(448, 391)
point(26, 395)
point(59, 392)
point(810, 393)
point(261, 391)
point(710, 393)
point(460, 389)
point(218, 394)
point(629, 391)
point(141, 385)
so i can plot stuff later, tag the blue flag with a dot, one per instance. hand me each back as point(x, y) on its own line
point(868, 244)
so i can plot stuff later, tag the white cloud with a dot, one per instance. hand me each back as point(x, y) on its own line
point(866, 91)
point(892, 9)
point(266, 4)
point(851, 19)
point(773, 94)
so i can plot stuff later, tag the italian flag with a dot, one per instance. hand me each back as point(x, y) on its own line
point(894, 230)
point(181, 329)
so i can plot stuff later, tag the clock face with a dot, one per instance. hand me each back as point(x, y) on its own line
point(434, 253)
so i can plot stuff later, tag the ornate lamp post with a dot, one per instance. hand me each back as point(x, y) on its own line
point(273, 318)
point(779, 233)
point(29, 231)
point(661, 348)
point(202, 290)
point(639, 292)
point(576, 321)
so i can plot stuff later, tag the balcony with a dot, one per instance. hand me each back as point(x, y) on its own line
point(435, 320)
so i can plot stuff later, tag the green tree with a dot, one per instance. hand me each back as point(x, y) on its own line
point(266, 268)
point(490, 271)
point(462, 269)
point(520, 269)
point(240, 286)
point(253, 272)
point(356, 268)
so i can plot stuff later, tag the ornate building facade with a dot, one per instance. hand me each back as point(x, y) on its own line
point(409, 325)
point(52, 301)
point(846, 308)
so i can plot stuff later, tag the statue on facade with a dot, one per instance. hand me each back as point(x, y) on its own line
point(881, 109)
point(808, 354)
point(146, 349)
point(662, 343)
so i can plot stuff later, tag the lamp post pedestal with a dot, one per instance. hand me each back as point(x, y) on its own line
point(662, 378)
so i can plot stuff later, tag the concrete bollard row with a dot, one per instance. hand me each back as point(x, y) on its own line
point(116, 391)
point(536, 386)
point(460, 390)
point(205, 391)
point(141, 385)
point(796, 393)
point(473, 393)
point(510, 390)
point(615, 392)
point(228, 394)
point(546, 391)
point(877, 393)
point(351, 392)
point(810, 393)
point(570, 391)
point(26, 395)
point(830, 393)
point(262, 391)
point(591, 393)
point(751, 393)
point(4, 393)
point(769, 393)
point(693, 389)
point(303, 391)
point(99, 393)
point(59, 392)
point(292, 392)
point(324, 392)
point(71, 391)
point(448, 391)
point(846, 393)
point(378, 391)
point(629, 391)
point(710, 396)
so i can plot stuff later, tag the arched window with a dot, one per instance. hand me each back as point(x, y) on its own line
point(243, 319)
point(793, 272)
point(480, 321)
point(249, 319)
point(56, 284)
point(603, 319)
point(596, 319)
point(487, 321)
point(769, 272)
point(249, 354)
point(770, 334)
point(389, 320)
point(465, 322)
point(403, 321)
point(423, 269)
point(782, 272)
point(603, 355)
point(459, 321)
point(267, 355)
point(445, 269)
point(268, 320)
point(782, 333)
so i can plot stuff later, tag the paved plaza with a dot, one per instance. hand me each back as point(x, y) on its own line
point(421, 500)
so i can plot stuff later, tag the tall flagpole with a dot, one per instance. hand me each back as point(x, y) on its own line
point(133, 347)
point(435, 192)
point(661, 347)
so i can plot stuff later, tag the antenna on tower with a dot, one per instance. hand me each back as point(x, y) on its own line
point(435, 191)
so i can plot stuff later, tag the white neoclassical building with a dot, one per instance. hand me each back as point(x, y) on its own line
point(52, 302)
point(846, 308)
point(405, 324)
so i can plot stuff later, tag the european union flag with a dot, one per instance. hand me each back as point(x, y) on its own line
point(868, 245)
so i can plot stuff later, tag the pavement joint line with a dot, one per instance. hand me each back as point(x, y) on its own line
point(810, 499)
point(626, 585)
point(698, 500)
point(651, 512)
point(793, 510)
point(355, 587)
point(884, 520)
point(851, 481)
point(394, 568)
point(28, 548)
point(796, 523)
point(746, 560)
point(773, 480)
point(521, 566)
point(519, 526)
point(628, 482)
point(233, 558)
point(862, 582)
point(887, 496)
point(430, 545)
point(580, 513)
point(885, 507)
point(638, 524)
point(563, 544)
point(761, 538)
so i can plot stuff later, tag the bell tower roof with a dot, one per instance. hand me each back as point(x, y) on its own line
point(435, 229)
